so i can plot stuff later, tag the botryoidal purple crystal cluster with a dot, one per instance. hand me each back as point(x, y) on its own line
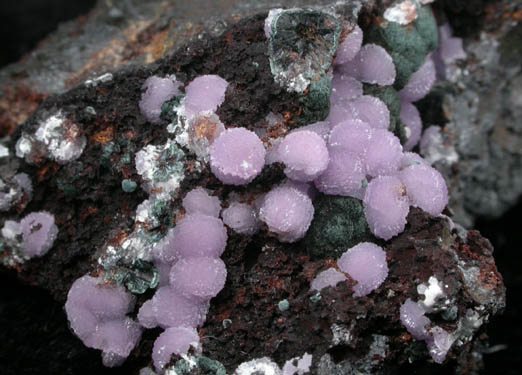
point(352, 153)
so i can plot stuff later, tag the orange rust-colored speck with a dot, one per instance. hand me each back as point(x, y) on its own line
point(104, 136)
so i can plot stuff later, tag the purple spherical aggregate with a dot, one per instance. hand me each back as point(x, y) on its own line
point(330, 277)
point(439, 344)
point(237, 156)
point(204, 93)
point(425, 187)
point(168, 308)
point(371, 65)
point(307, 188)
point(386, 206)
point(201, 278)
point(366, 264)
point(372, 111)
point(188, 240)
point(411, 158)
point(344, 175)
point(351, 136)
point(340, 113)
point(384, 153)
point(165, 251)
point(349, 47)
point(38, 232)
point(175, 340)
point(322, 128)
point(198, 201)
point(345, 89)
point(413, 318)
point(242, 218)
point(411, 118)
point(420, 82)
point(304, 154)
point(157, 91)
point(287, 212)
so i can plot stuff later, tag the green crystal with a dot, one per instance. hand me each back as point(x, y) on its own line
point(128, 186)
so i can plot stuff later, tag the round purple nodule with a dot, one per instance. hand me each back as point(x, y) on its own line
point(371, 65)
point(351, 136)
point(425, 187)
point(413, 318)
point(304, 154)
point(366, 264)
point(372, 111)
point(242, 218)
point(420, 82)
point(237, 156)
point(386, 206)
point(157, 91)
point(411, 118)
point(175, 340)
point(198, 201)
point(201, 278)
point(345, 89)
point(204, 93)
point(188, 240)
point(288, 213)
point(330, 277)
point(38, 232)
point(384, 153)
point(349, 47)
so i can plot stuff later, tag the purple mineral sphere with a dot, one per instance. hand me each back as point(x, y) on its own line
point(175, 340)
point(200, 278)
point(204, 93)
point(198, 201)
point(38, 232)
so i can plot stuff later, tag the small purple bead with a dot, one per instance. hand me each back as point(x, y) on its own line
point(201, 278)
point(287, 212)
point(237, 156)
point(372, 111)
point(349, 47)
point(439, 344)
point(384, 153)
point(413, 318)
point(175, 340)
point(420, 82)
point(304, 154)
point(366, 264)
point(386, 206)
point(198, 201)
point(411, 118)
point(242, 218)
point(204, 93)
point(345, 89)
point(157, 91)
point(330, 277)
point(340, 113)
point(351, 136)
point(371, 65)
point(38, 232)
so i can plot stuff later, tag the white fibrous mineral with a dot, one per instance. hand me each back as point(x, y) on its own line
point(425, 188)
point(287, 212)
point(343, 176)
point(371, 65)
point(204, 93)
point(97, 314)
point(386, 206)
point(372, 111)
point(384, 153)
point(198, 201)
point(420, 82)
point(242, 218)
point(330, 277)
point(349, 47)
point(237, 156)
point(365, 263)
point(261, 366)
point(411, 118)
point(345, 89)
point(157, 91)
point(198, 278)
point(413, 318)
point(304, 155)
point(175, 340)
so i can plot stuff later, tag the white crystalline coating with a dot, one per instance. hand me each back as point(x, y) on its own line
point(384, 153)
point(157, 91)
point(298, 365)
point(403, 13)
point(371, 65)
point(372, 111)
point(411, 118)
point(330, 277)
point(200, 278)
point(4, 151)
point(259, 366)
point(242, 218)
point(175, 340)
point(365, 263)
point(268, 20)
point(420, 82)
point(351, 136)
point(344, 89)
point(204, 93)
point(413, 318)
point(287, 212)
point(61, 137)
point(349, 47)
point(386, 206)
point(425, 187)
point(439, 344)
point(23, 146)
point(411, 158)
point(12, 190)
point(340, 113)
point(433, 147)
point(344, 175)
point(431, 292)
point(198, 201)
point(11, 230)
point(237, 156)
point(304, 154)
